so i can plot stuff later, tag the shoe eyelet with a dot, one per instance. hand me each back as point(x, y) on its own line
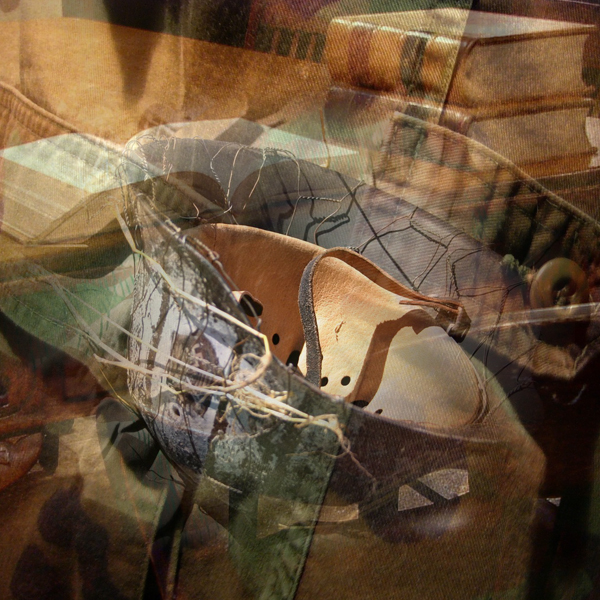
point(293, 358)
point(360, 403)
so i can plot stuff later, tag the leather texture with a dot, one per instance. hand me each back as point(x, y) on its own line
point(355, 332)
point(375, 345)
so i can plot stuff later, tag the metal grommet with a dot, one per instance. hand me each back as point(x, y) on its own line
point(560, 282)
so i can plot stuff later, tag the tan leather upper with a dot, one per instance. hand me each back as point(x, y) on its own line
point(391, 357)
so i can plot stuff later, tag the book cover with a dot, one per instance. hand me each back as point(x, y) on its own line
point(549, 134)
point(467, 57)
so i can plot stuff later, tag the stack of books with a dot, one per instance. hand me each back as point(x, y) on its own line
point(511, 83)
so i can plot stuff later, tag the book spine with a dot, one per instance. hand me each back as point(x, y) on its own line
point(256, 9)
point(388, 59)
point(359, 107)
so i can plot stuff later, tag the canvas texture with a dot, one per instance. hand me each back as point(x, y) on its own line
point(269, 330)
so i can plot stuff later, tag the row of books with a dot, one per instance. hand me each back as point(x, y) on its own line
point(512, 83)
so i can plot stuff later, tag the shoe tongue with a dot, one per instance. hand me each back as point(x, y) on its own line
point(388, 357)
